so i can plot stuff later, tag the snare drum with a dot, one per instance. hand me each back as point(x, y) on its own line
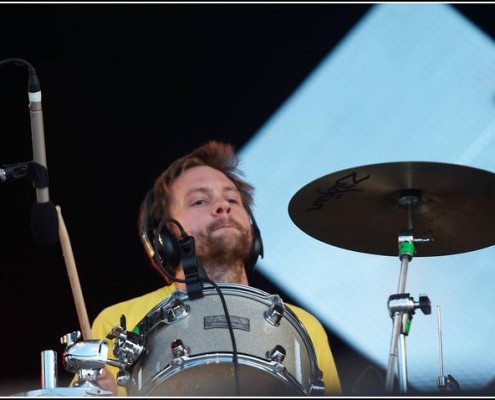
point(188, 347)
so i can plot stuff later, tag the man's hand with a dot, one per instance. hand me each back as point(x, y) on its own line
point(106, 381)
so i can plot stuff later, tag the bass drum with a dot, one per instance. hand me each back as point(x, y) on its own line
point(189, 350)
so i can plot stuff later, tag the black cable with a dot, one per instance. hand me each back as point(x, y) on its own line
point(18, 61)
point(232, 337)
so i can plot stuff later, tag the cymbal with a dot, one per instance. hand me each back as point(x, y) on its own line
point(366, 208)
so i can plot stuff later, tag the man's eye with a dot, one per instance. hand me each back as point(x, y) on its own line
point(199, 202)
point(233, 201)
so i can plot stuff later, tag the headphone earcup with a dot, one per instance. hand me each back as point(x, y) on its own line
point(158, 240)
point(256, 247)
point(166, 246)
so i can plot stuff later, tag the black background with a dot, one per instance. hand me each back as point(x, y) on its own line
point(127, 88)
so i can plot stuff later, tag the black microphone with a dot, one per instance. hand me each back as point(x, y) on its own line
point(44, 218)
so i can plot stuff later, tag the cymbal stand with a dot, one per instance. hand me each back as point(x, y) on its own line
point(402, 306)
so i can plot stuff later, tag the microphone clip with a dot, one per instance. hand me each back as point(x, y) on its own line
point(30, 170)
point(193, 271)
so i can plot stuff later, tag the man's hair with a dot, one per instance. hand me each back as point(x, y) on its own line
point(220, 156)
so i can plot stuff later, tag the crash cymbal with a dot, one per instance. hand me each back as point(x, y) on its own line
point(365, 208)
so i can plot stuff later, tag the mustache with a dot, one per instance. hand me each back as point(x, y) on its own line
point(222, 222)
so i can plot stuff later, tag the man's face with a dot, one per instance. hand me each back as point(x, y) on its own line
point(209, 207)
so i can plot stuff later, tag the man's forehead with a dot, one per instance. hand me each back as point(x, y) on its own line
point(208, 189)
point(201, 179)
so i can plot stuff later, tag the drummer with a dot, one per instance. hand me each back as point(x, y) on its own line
point(205, 193)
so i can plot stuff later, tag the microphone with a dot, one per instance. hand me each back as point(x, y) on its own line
point(44, 218)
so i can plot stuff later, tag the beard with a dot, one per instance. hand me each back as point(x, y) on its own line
point(223, 255)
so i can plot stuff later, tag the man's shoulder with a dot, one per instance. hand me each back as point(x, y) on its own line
point(149, 297)
point(298, 310)
point(306, 318)
point(134, 308)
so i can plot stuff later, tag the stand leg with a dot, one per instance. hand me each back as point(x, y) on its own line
point(402, 364)
point(392, 359)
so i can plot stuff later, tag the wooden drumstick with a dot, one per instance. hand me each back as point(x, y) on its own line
point(73, 278)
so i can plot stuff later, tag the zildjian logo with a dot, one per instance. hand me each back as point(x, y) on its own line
point(342, 185)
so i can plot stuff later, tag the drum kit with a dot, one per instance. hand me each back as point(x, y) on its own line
point(430, 209)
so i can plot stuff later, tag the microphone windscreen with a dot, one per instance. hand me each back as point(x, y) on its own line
point(44, 224)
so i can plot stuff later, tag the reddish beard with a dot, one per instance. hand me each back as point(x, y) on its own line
point(223, 249)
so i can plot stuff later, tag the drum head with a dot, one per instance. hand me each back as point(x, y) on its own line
point(218, 379)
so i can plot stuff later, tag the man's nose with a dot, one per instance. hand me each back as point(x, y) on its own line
point(221, 206)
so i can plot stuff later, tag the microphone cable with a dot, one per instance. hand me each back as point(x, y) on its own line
point(18, 61)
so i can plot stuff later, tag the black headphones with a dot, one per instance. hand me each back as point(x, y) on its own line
point(162, 246)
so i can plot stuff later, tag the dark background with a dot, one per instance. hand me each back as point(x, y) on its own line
point(127, 88)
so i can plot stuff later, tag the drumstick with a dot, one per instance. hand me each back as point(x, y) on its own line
point(73, 278)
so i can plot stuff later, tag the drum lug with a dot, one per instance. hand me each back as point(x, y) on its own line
point(277, 354)
point(317, 389)
point(123, 378)
point(177, 310)
point(179, 349)
point(276, 311)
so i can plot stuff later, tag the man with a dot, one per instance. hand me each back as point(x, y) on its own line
point(203, 194)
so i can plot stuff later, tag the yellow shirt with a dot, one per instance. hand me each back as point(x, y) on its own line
point(137, 308)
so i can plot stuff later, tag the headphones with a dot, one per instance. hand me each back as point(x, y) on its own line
point(162, 246)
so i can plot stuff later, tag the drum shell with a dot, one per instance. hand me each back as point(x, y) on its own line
point(208, 368)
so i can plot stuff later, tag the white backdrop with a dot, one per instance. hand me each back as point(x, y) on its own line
point(411, 82)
